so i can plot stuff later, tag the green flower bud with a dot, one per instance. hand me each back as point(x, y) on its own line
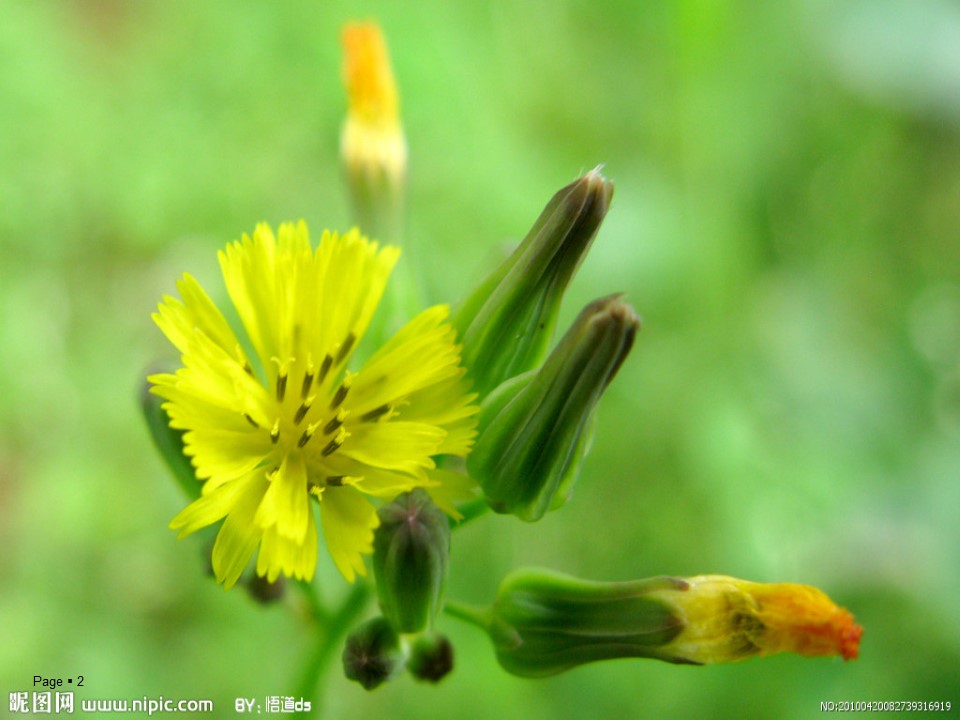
point(373, 654)
point(543, 623)
point(431, 658)
point(168, 441)
point(536, 428)
point(411, 552)
point(506, 323)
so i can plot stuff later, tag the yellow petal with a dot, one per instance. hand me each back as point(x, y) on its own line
point(387, 485)
point(423, 352)
point(348, 523)
point(280, 554)
point(400, 446)
point(223, 455)
point(285, 506)
point(239, 535)
point(249, 270)
point(449, 488)
point(180, 320)
point(352, 273)
point(209, 507)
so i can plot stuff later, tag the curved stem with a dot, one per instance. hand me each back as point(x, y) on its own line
point(319, 612)
point(330, 633)
point(479, 616)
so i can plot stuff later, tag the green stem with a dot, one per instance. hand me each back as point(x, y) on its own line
point(319, 612)
point(330, 633)
point(479, 616)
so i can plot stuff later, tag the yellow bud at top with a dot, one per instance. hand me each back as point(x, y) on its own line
point(729, 619)
point(372, 144)
point(371, 90)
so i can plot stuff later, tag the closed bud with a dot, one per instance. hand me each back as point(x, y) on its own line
point(506, 323)
point(544, 623)
point(411, 551)
point(431, 658)
point(535, 429)
point(373, 653)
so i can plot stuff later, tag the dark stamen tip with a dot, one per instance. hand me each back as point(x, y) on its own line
point(301, 413)
point(332, 426)
point(375, 414)
point(346, 347)
point(339, 396)
point(307, 384)
point(325, 367)
point(331, 448)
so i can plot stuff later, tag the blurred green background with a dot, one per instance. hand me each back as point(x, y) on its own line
point(786, 221)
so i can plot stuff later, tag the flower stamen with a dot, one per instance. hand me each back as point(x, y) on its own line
point(242, 359)
point(335, 422)
point(282, 371)
point(307, 434)
point(375, 414)
point(303, 409)
point(334, 445)
point(250, 420)
point(325, 368)
point(345, 347)
point(341, 394)
point(275, 432)
point(307, 381)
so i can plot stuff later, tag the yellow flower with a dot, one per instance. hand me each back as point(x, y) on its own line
point(726, 619)
point(372, 143)
point(269, 431)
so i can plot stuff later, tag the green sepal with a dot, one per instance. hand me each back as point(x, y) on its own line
point(544, 622)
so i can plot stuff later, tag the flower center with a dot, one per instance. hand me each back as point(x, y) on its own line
point(308, 419)
point(310, 412)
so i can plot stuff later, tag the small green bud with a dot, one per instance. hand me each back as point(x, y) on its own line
point(373, 653)
point(168, 441)
point(507, 321)
point(544, 623)
point(431, 658)
point(536, 428)
point(411, 552)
